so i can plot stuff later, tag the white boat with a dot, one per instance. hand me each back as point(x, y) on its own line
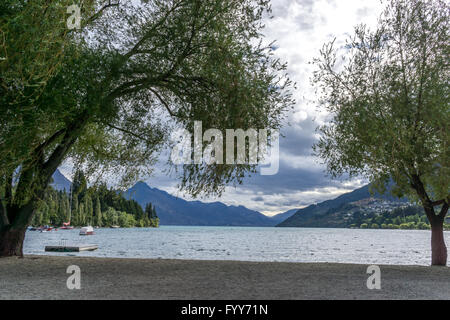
point(87, 231)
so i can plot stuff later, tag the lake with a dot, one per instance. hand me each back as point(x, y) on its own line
point(399, 247)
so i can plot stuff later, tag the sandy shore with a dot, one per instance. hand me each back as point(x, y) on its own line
point(44, 277)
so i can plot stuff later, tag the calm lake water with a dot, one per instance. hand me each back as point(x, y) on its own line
point(399, 247)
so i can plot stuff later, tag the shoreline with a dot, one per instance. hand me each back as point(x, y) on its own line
point(45, 277)
point(137, 259)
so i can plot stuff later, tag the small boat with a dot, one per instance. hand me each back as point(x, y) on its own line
point(46, 229)
point(115, 227)
point(86, 231)
point(66, 226)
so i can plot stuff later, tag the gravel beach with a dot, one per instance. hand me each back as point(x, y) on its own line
point(44, 277)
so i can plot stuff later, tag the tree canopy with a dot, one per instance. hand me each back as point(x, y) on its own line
point(388, 91)
point(140, 69)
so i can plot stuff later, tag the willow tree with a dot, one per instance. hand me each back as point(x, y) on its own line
point(126, 80)
point(388, 92)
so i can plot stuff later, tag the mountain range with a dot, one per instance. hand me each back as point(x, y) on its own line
point(176, 211)
point(172, 210)
point(336, 213)
point(342, 211)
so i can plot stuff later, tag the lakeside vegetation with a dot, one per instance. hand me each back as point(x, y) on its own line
point(98, 206)
point(409, 218)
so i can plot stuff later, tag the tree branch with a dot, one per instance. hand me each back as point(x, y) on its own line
point(8, 191)
point(444, 211)
point(49, 141)
point(136, 47)
point(100, 11)
point(70, 137)
point(164, 103)
point(127, 132)
point(417, 185)
point(438, 203)
point(4, 221)
point(130, 87)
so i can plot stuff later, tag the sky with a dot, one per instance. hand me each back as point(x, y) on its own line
point(300, 28)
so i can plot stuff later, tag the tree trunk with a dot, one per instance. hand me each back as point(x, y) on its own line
point(37, 177)
point(13, 235)
point(438, 248)
point(11, 242)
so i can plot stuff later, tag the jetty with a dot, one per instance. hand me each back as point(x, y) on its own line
point(71, 248)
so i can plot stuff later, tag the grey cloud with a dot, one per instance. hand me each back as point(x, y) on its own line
point(258, 199)
point(299, 138)
point(363, 12)
point(272, 204)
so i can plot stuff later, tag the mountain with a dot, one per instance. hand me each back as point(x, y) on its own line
point(60, 182)
point(283, 216)
point(344, 210)
point(175, 211)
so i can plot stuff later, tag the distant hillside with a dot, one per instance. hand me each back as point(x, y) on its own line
point(175, 211)
point(60, 182)
point(341, 212)
point(283, 216)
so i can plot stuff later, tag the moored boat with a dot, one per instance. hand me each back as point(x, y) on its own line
point(86, 231)
point(66, 226)
point(47, 229)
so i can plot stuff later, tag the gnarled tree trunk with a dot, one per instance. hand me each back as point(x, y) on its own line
point(16, 212)
point(438, 248)
point(13, 235)
point(11, 241)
